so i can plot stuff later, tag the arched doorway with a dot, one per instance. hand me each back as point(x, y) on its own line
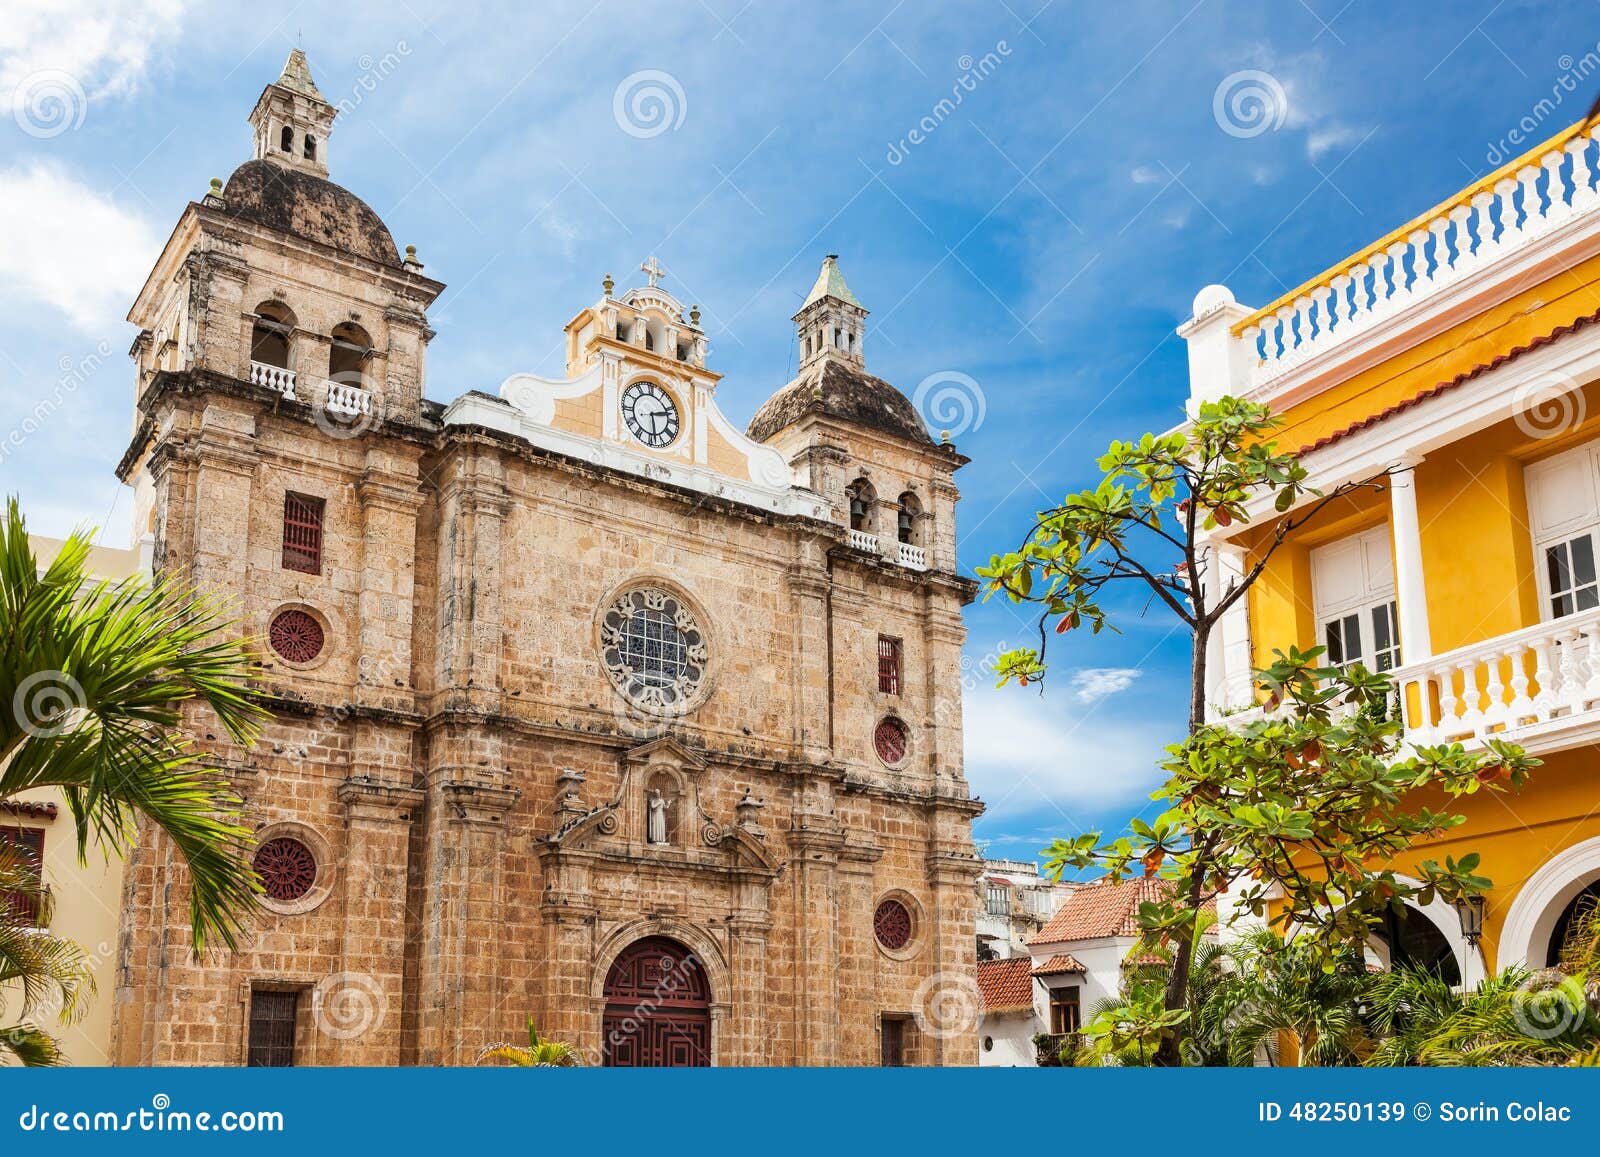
point(1412, 940)
point(1583, 903)
point(657, 1007)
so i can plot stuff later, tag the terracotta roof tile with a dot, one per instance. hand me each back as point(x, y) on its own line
point(1460, 379)
point(1102, 909)
point(1058, 964)
point(33, 809)
point(1006, 985)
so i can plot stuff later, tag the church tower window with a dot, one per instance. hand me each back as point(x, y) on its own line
point(311, 147)
point(302, 533)
point(286, 139)
point(861, 496)
point(347, 354)
point(888, 665)
point(269, 335)
point(906, 519)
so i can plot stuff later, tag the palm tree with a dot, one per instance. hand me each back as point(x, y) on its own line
point(93, 677)
point(537, 1054)
point(1277, 989)
point(1516, 1017)
point(44, 970)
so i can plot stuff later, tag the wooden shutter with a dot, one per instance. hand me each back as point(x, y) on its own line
point(25, 908)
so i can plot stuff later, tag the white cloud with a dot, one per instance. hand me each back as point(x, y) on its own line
point(74, 248)
point(1327, 137)
point(1028, 754)
point(104, 46)
point(1144, 175)
point(1093, 684)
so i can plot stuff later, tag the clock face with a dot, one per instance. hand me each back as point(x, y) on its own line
point(651, 414)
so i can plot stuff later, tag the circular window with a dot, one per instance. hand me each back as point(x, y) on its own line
point(653, 649)
point(988, 1044)
point(890, 741)
point(286, 867)
point(892, 925)
point(296, 636)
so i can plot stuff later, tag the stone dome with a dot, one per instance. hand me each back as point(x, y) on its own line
point(301, 203)
point(849, 394)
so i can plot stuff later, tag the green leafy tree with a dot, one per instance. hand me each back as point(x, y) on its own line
point(93, 677)
point(40, 972)
point(536, 1054)
point(1308, 800)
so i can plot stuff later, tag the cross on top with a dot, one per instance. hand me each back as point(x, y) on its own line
point(652, 270)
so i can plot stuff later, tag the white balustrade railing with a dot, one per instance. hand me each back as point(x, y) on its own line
point(1480, 225)
point(914, 557)
point(349, 401)
point(273, 377)
point(1511, 682)
point(861, 540)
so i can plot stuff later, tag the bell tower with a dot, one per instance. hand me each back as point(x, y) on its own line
point(831, 323)
point(292, 120)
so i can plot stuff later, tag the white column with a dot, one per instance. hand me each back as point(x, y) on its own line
point(1411, 590)
point(1229, 679)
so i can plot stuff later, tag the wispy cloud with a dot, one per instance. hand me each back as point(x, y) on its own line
point(1093, 684)
point(80, 253)
point(104, 46)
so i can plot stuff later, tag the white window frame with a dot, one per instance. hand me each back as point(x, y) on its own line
point(1563, 493)
point(1371, 553)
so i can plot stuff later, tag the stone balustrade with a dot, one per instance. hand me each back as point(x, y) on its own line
point(274, 378)
point(861, 540)
point(914, 557)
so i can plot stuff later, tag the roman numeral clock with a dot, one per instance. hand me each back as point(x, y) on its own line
point(650, 414)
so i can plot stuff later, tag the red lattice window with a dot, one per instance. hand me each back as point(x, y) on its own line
point(888, 665)
point(302, 533)
point(286, 867)
point(890, 741)
point(296, 636)
point(891, 924)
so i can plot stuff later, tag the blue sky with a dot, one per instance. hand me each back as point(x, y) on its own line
point(1043, 238)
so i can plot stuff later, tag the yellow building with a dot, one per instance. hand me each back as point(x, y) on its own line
point(1456, 362)
point(88, 896)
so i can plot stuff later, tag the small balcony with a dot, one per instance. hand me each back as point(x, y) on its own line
point(914, 557)
point(348, 401)
point(861, 540)
point(274, 378)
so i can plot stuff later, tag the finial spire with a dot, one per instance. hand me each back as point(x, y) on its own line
point(832, 322)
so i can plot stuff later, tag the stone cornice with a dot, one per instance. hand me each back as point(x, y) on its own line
point(368, 799)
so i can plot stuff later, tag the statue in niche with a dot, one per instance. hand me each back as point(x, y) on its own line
point(655, 831)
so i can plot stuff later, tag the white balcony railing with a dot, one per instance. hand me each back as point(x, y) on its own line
point(913, 556)
point(861, 540)
point(273, 377)
point(1525, 687)
point(1483, 224)
point(348, 401)
point(1506, 686)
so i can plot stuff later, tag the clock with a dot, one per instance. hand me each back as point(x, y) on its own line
point(651, 414)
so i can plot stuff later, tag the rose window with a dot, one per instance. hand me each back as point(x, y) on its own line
point(653, 650)
point(296, 636)
point(890, 741)
point(891, 923)
point(286, 867)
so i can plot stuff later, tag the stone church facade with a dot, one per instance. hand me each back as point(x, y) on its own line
point(587, 706)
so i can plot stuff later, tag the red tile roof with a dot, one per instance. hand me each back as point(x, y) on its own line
point(1460, 379)
point(1058, 964)
point(1006, 985)
point(33, 809)
point(1102, 909)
